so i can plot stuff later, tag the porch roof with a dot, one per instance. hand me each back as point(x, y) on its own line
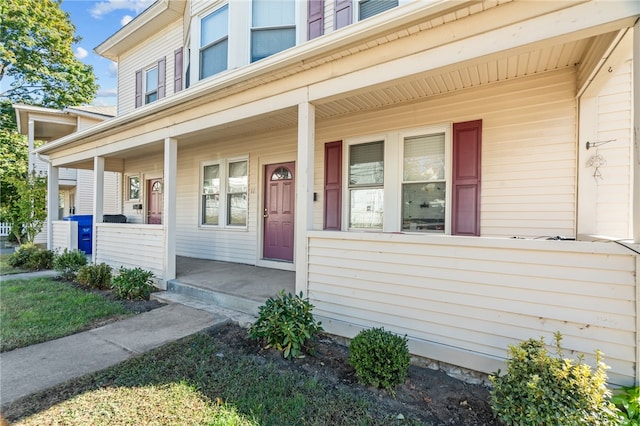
point(513, 41)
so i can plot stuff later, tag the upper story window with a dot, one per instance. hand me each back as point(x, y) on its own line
point(369, 8)
point(273, 27)
point(214, 42)
point(151, 85)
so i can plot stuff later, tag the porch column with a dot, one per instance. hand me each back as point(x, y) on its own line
point(169, 208)
point(52, 198)
point(304, 190)
point(98, 202)
point(636, 133)
point(31, 145)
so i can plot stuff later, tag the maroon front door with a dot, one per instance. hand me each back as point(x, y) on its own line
point(279, 200)
point(154, 201)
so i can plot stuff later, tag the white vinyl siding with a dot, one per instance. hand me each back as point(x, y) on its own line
point(528, 149)
point(613, 187)
point(131, 246)
point(84, 193)
point(233, 243)
point(463, 301)
point(160, 45)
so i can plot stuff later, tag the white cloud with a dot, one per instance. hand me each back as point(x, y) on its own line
point(126, 19)
point(107, 93)
point(113, 69)
point(105, 7)
point(81, 53)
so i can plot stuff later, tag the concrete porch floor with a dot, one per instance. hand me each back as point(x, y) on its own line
point(243, 281)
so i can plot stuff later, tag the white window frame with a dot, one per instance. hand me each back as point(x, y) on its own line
point(393, 175)
point(223, 172)
point(145, 89)
point(295, 25)
point(199, 48)
point(425, 131)
point(128, 187)
point(346, 193)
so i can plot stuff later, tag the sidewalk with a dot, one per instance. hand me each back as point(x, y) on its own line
point(38, 367)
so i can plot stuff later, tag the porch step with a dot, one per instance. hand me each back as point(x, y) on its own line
point(207, 296)
point(237, 317)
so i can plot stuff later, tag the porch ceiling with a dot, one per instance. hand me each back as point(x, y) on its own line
point(509, 65)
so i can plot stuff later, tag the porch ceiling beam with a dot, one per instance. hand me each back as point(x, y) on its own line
point(227, 116)
point(570, 24)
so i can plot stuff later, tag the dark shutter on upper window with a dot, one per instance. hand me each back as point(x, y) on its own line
point(315, 18)
point(342, 13)
point(162, 77)
point(465, 203)
point(177, 70)
point(138, 88)
point(369, 8)
point(333, 186)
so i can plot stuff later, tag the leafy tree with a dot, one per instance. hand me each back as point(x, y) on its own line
point(36, 51)
point(27, 212)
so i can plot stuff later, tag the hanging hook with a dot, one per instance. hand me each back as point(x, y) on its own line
point(596, 144)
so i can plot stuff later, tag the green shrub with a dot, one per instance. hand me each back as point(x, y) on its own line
point(132, 284)
point(95, 276)
point(380, 358)
point(539, 389)
point(287, 324)
point(30, 256)
point(69, 262)
point(627, 400)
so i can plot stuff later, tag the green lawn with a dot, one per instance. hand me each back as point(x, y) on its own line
point(194, 382)
point(37, 310)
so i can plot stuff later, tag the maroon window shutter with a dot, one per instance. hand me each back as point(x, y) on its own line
point(465, 205)
point(333, 185)
point(342, 13)
point(315, 18)
point(177, 70)
point(162, 77)
point(138, 88)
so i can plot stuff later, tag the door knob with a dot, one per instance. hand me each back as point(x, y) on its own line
point(265, 213)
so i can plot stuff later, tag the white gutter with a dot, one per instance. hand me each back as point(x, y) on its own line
point(337, 40)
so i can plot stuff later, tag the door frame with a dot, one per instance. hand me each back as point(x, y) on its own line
point(145, 196)
point(258, 190)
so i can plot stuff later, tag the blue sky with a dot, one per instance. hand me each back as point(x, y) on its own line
point(95, 21)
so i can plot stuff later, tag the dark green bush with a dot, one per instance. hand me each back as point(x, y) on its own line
point(539, 389)
point(287, 324)
point(69, 262)
point(132, 284)
point(29, 256)
point(627, 400)
point(380, 358)
point(95, 276)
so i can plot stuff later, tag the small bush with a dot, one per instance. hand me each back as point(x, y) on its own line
point(29, 256)
point(287, 324)
point(539, 389)
point(69, 262)
point(95, 276)
point(380, 358)
point(132, 284)
point(627, 400)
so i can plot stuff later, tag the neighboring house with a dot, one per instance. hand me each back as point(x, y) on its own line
point(75, 195)
point(462, 172)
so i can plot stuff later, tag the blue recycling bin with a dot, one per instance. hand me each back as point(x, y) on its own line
point(85, 231)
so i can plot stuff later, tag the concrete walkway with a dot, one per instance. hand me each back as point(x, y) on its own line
point(38, 367)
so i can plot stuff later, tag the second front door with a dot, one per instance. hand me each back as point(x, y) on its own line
point(279, 201)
